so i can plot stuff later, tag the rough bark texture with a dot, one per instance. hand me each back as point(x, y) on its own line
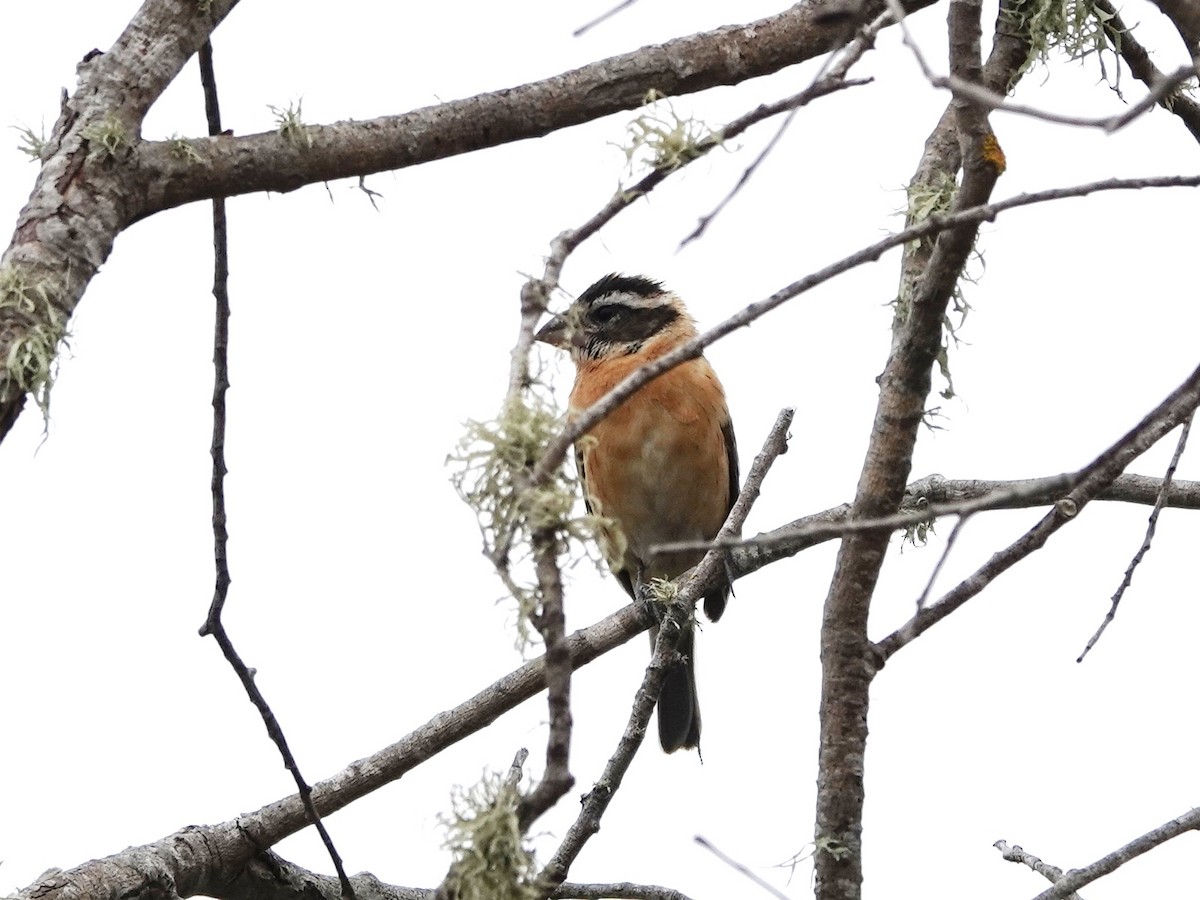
point(848, 659)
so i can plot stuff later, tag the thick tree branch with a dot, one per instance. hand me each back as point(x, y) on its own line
point(273, 162)
point(848, 661)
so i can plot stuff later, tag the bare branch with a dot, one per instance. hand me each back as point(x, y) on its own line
point(1077, 878)
point(1185, 16)
point(1089, 482)
point(1161, 86)
point(603, 17)
point(271, 162)
point(1143, 68)
point(1151, 526)
point(213, 625)
point(270, 877)
point(836, 75)
point(1016, 853)
point(595, 802)
point(621, 890)
point(550, 622)
point(948, 497)
point(740, 868)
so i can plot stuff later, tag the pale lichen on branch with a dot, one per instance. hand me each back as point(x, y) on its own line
point(37, 327)
point(491, 467)
point(492, 859)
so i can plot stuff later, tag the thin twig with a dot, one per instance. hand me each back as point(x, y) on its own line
point(740, 868)
point(1160, 89)
point(1089, 481)
point(1004, 495)
point(750, 555)
point(1018, 854)
point(213, 624)
point(937, 569)
point(835, 76)
point(1151, 526)
point(603, 17)
point(550, 621)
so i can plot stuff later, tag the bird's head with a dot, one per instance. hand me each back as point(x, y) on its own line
point(618, 316)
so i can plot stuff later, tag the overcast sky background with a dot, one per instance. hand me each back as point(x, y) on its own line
point(361, 340)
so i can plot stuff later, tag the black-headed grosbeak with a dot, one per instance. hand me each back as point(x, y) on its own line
point(662, 466)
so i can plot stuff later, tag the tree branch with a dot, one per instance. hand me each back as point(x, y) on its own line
point(80, 200)
point(1151, 527)
point(848, 663)
point(1089, 482)
point(273, 162)
point(1077, 878)
point(1017, 854)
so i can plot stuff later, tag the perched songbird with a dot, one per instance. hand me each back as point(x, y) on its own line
point(662, 466)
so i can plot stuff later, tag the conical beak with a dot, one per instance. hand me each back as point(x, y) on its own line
point(554, 333)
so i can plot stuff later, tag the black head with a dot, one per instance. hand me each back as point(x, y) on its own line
point(614, 317)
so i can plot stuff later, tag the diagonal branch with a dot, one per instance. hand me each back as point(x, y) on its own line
point(686, 65)
point(1151, 527)
point(1077, 878)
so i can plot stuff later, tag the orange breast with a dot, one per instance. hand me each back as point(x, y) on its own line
point(658, 465)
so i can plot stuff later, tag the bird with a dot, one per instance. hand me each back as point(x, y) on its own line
point(660, 468)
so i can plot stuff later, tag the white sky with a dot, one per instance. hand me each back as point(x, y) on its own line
point(362, 340)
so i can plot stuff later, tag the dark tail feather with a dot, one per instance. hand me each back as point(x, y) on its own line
point(678, 706)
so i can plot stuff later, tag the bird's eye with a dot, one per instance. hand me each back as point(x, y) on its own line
point(605, 314)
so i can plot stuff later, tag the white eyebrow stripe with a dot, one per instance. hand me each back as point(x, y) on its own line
point(631, 300)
